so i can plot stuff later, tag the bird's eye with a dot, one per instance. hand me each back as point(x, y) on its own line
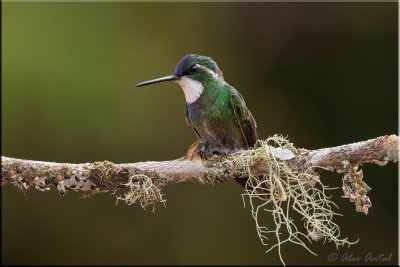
point(193, 69)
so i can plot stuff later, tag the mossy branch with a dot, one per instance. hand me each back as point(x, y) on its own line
point(107, 176)
point(280, 180)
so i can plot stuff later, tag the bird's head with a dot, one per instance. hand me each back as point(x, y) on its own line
point(193, 73)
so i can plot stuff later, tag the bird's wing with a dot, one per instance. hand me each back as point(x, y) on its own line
point(243, 117)
point(190, 124)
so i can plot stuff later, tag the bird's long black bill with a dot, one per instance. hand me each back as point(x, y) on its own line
point(163, 79)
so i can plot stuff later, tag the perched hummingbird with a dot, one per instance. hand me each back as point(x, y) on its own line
point(215, 110)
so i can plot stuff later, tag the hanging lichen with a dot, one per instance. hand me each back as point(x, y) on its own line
point(142, 189)
point(282, 191)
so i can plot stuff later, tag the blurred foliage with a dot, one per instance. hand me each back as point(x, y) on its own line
point(324, 74)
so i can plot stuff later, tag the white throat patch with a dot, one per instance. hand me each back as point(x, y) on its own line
point(191, 88)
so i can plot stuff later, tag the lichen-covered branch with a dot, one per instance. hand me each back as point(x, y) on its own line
point(380, 150)
point(107, 176)
point(280, 180)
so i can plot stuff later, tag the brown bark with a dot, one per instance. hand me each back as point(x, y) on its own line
point(107, 176)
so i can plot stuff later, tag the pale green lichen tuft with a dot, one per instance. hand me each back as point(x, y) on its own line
point(286, 192)
point(142, 190)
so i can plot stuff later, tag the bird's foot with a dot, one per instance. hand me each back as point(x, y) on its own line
point(202, 154)
point(222, 155)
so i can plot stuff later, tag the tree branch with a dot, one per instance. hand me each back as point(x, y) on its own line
point(281, 176)
point(107, 176)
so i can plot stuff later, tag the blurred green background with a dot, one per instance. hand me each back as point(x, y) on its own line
point(324, 74)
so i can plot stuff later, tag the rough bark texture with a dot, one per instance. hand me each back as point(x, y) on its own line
point(107, 176)
point(379, 150)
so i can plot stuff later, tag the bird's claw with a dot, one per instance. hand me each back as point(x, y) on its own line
point(222, 155)
point(202, 154)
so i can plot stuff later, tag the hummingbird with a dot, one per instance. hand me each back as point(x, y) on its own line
point(215, 110)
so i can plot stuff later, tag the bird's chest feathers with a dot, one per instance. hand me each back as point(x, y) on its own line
point(191, 88)
point(208, 108)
